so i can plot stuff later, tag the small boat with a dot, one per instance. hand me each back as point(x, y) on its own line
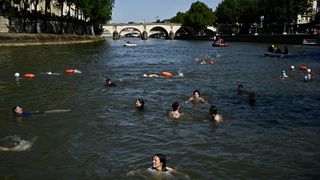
point(310, 42)
point(278, 55)
point(130, 45)
point(220, 44)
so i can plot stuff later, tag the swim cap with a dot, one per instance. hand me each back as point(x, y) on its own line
point(309, 70)
point(17, 75)
point(292, 67)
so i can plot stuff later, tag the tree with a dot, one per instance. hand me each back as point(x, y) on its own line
point(198, 17)
point(247, 12)
point(179, 18)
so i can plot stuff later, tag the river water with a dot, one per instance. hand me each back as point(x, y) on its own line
point(104, 136)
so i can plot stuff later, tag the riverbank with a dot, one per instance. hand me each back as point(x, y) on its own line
point(23, 39)
point(284, 39)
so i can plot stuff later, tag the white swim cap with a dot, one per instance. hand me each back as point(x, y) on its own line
point(292, 67)
point(309, 70)
point(49, 72)
point(17, 75)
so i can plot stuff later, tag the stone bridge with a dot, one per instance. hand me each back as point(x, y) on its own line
point(170, 30)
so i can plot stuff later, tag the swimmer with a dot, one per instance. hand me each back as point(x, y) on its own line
point(292, 68)
point(52, 73)
point(109, 83)
point(151, 75)
point(196, 99)
point(139, 104)
point(19, 144)
point(308, 71)
point(175, 113)
point(213, 112)
point(2, 148)
point(18, 112)
point(283, 75)
point(159, 168)
point(252, 98)
point(17, 75)
point(240, 89)
point(308, 77)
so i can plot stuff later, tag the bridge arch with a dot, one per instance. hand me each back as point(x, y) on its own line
point(145, 29)
point(160, 31)
point(129, 30)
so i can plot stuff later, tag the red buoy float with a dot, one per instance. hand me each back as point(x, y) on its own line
point(29, 75)
point(303, 68)
point(70, 71)
point(166, 74)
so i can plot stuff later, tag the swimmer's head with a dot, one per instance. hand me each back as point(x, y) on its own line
point(196, 94)
point(49, 72)
point(17, 110)
point(292, 67)
point(213, 110)
point(175, 106)
point(145, 75)
point(309, 70)
point(139, 103)
point(159, 161)
point(180, 74)
point(17, 74)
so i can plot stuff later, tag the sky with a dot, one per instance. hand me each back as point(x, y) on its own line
point(150, 10)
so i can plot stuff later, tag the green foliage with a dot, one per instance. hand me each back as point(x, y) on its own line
point(249, 11)
point(197, 17)
point(179, 18)
point(98, 11)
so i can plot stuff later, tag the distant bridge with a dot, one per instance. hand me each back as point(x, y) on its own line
point(170, 30)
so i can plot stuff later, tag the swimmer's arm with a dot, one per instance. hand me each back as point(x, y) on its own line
point(190, 99)
point(133, 172)
point(57, 111)
point(5, 149)
point(175, 172)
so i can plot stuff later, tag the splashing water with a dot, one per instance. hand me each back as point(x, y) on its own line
point(16, 143)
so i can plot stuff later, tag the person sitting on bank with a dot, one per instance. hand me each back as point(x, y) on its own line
point(175, 113)
point(109, 83)
point(214, 116)
point(19, 113)
point(196, 99)
point(139, 104)
point(159, 168)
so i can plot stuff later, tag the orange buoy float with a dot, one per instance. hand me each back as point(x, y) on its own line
point(29, 75)
point(166, 74)
point(70, 71)
point(303, 68)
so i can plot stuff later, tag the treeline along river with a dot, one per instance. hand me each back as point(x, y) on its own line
point(104, 136)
